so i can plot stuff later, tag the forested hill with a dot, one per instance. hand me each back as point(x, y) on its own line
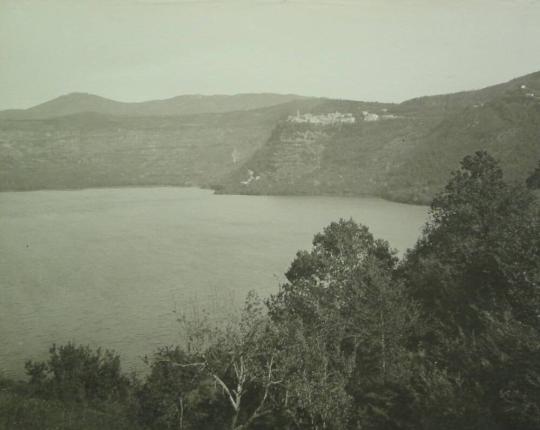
point(402, 152)
point(269, 143)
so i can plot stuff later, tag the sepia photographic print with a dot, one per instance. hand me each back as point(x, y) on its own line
point(269, 214)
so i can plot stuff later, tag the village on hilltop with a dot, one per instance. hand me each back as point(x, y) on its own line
point(323, 119)
point(336, 118)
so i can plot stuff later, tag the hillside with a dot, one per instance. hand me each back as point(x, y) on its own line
point(98, 150)
point(270, 144)
point(507, 127)
point(451, 102)
point(405, 152)
point(181, 105)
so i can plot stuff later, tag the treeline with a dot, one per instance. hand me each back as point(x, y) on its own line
point(448, 337)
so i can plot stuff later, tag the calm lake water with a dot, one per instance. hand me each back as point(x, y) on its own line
point(114, 267)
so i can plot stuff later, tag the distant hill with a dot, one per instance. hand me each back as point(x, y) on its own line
point(451, 102)
point(405, 154)
point(75, 103)
point(270, 144)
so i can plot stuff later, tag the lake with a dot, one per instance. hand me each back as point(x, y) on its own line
point(115, 267)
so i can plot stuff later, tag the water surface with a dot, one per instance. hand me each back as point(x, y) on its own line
point(110, 267)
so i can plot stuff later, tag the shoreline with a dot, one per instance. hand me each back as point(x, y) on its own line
point(220, 193)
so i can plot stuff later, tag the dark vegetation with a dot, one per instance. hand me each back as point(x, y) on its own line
point(533, 181)
point(448, 337)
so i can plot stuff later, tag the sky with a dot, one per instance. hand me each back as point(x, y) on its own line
point(377, 50)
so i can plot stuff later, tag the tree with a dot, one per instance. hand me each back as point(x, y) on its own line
point(480, 249)
point(313, 394)
point(475, 273)
point(344, 302)
point(179, 396)
point(237, 357)
point(79, 374)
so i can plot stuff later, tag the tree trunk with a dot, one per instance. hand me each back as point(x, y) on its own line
point(234, 420)
point(181, 419)
point(383, 346)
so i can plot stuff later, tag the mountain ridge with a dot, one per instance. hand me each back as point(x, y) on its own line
point(39, 111)
point(186, 104)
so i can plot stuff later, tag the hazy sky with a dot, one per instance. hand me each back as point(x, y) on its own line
point(386, 50)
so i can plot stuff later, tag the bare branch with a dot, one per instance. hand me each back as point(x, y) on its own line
point(226, 389)
point(172, 363)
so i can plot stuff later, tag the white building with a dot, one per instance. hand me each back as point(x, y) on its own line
point(322, 119)
point(368, 116)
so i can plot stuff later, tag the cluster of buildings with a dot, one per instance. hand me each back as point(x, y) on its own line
point(528, 93)
point(323, 119)
point(337, 118)
point(370, 116)
point(250, 178)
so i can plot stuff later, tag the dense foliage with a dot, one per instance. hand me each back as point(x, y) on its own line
point(533, 181)
point(448, 337)
point(76, 388)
